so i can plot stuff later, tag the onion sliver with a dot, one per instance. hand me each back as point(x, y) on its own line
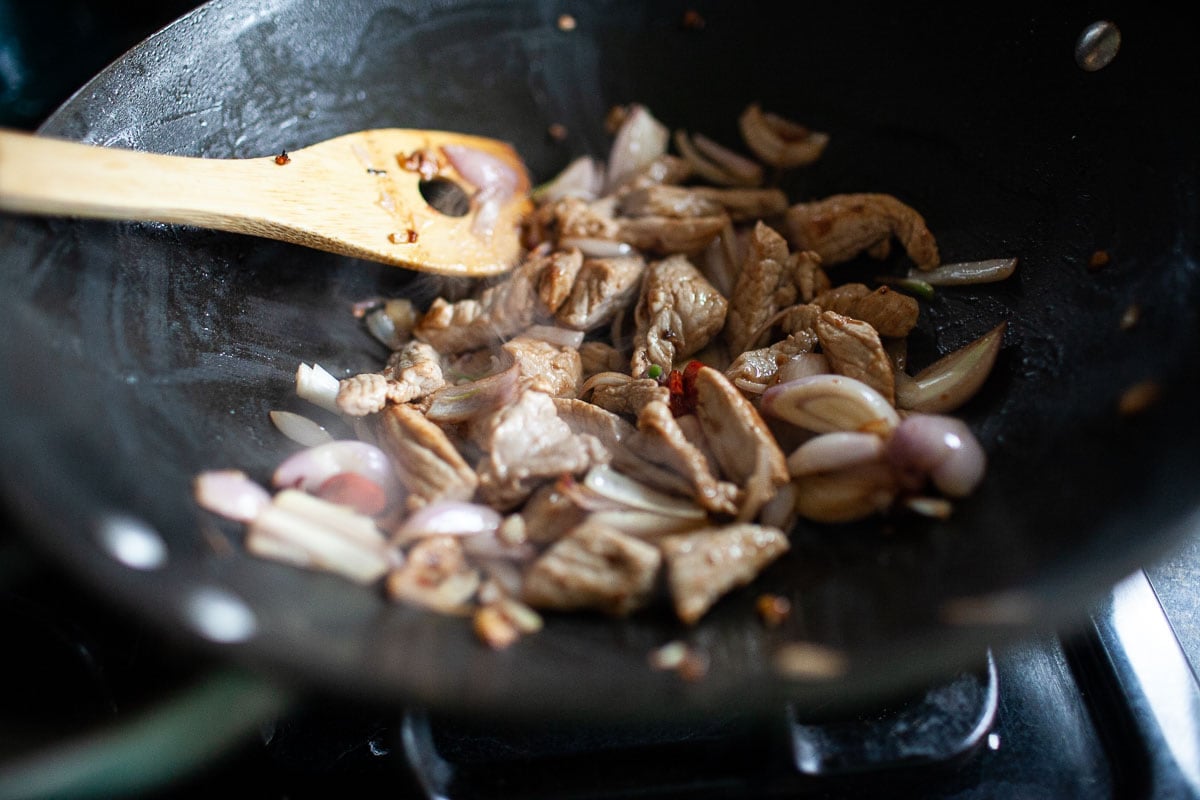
point(952, 380)
point(560, 337)
point(967, 272)
point(942, 447)
point(597, 248)
point(230, 493)
point(317, 386)
point(639, 141)
point(300, 429)
point(461, 402)
point(828, 403)
point(583, 178)
point(625, 491)
point(311, 467)
point(448, 518)
point(736, 165)
point(834, 451)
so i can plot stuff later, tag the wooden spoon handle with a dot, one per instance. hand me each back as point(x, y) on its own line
point(44, 175)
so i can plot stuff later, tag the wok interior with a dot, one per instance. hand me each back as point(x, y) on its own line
point(143, 354)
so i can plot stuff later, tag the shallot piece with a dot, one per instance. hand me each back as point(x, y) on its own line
point(448, 518)
point(780, 142)
point(639, 141)
point(464, 401)
point(494, 180)
point(943, 448)
point(967, 272)
point(828, 403)
point(311, 467)
point(952, 380)
point(834, 451)
point(230, 493)
point(300, 429)
point(597, 248)
point(582, 178)
point(560, 337)
point(317, 386)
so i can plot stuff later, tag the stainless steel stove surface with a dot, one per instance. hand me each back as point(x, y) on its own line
point(92, 704)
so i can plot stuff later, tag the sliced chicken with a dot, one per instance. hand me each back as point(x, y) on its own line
point(426, 462)
point(603, 287)
point(546, 367)
point(889, 312)
point(854, 349)
point(678, 314)
point(843, 226)
point(763, 287)
point(594, 567)
point(705, 565)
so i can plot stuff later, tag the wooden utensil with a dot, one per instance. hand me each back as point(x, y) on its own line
point(370, 194)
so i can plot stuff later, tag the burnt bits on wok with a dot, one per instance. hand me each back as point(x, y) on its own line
point(670, 380)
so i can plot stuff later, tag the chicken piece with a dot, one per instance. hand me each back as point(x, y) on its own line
point(854, 350)
point(610, 429)
point(575, 218)
point(594, 567)
point(628, 397)
point(744, 205)
point(705, 565)
point(526, 445)
point(739, 440)
point(600, 357)
point(500, 310)
point(889, 312)
point(556, 279)
point(427, 464)
point(807, 274)
point(842, 226)
point(435, 574)
point(603, 287)
point(546, 367)
point(412, 372)
point(666, 235)
point(549, 514)
point(664, 170)
point(755, 370)
point(666, 459)
point(679, 312)
point(763, 286)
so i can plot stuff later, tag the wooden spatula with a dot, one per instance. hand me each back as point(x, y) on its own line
point(373, 194)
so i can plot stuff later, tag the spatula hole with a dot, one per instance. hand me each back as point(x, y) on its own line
point(446, 196)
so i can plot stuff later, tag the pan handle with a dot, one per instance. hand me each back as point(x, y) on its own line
point(204, 721)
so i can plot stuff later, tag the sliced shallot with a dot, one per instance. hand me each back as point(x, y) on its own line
point(450, 518)
point(827, 403)
point(300, 429)
point(943, 448)
point(779, 142)
point(461, 402)
point(583, 178)
point(952, 380)
point(311, 467)
point(230, 493)
point(834, 451)
point(639, 141)
point(560, 337)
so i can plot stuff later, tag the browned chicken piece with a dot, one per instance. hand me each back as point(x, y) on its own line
point(603, 287)
point(549, 514)
point(810, 279)
point(556, 279)
point(546, 367)
point(629, 396)
point(740, 441)
point(597, 357)
point(678, 313)
point(665, 236)
point(705, 565)
point(427, 463)
point(527, 444)
point(842, 226)
point(854, 350)
point(435, 574)
point(763, 286)
point(576, 218)
point(594, 567)
point(800, 320)
point(501, 310)
point(671, 462)
point(743, 205)
point(755, 370)
point(412, 372)
point(610, 429)
point(891, 313)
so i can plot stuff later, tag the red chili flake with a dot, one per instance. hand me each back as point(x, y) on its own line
point(682, 386)
point(692, 20)
point(357, 491)
point(557, 131)
point(773, 609)
point(283, 158)
point(1098, 260)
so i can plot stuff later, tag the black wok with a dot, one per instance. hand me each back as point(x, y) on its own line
point(135, 355)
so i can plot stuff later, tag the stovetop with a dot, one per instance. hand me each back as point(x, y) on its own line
point(93, 700)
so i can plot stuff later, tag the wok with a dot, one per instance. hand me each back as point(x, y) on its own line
point(136, 355)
